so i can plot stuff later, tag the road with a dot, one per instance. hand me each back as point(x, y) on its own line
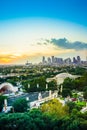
point(31, 96)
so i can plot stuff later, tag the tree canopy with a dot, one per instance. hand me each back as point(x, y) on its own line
point(54, 108)
point(20, 105)
point(2, 101)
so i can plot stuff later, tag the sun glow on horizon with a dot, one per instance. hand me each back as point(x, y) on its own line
point(19, 39)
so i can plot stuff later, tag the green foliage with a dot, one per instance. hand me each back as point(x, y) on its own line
point(20, 105)
point(85, 94)
point(82, 82)
point(82, 120)
point(76, 71)
point(11, 81)
point(36, 120)
point(69, 83)
point(83, 125)
point(2, 101)
point(75, 95)
point(54, 108)
point(52, 85)
point(66, 92)
point(42, 85)
point(81, 104)
point(85, 88)
point(72, 105)
point(77, 84)
point(33, 85)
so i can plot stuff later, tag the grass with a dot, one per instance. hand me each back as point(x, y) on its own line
point(61, 98)
point(82, 104)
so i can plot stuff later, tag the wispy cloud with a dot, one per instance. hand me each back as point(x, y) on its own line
point(64, 43)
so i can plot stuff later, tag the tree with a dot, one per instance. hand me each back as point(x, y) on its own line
point(52, 85)
point(81, 82)
point(66, 92)
point(2, 101)
point(85, 94)
point(37, 120)
point(72, 106)
point(20, 105)
point(54, 109)
point(85, 88)
point(33, 84)
point(69, 83)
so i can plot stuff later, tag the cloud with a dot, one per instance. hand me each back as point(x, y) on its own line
point(64, 43)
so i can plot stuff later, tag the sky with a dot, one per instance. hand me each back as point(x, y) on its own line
point(30, 29)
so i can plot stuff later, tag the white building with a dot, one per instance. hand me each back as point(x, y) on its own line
point(60, 77)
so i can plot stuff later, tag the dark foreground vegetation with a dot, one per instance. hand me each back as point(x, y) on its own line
point(36, 120)
point(50, 116)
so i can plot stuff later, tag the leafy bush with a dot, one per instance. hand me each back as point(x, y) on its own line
point(20, 105)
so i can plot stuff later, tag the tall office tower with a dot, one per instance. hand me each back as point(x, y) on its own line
point(43, 59)
point(67, 61)
point(74, 60)
point(59, 60)
point(56, 59)
point(49, 60)
point(78, 59)
point(53, 59)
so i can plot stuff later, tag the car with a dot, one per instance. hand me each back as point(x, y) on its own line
point(73, 99)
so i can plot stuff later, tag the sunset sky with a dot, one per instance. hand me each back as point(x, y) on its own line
point(30, 29)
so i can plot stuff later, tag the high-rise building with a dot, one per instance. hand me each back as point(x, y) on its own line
point(78, 59)
point(67, 61)
point(49, 60)
point(53, 59)
point(74, 60)
point(43, 59)
point(59, 60)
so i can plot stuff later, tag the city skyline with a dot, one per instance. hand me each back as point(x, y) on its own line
point(53, 60)
point(29, 30)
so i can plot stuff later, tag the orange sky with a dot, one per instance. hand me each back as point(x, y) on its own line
point(19, 40)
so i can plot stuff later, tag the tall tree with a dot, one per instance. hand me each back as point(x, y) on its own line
point(20, 105)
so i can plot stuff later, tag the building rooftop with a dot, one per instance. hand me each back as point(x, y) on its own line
point(65, 75)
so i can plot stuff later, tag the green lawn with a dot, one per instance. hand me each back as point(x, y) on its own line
point(81, 103)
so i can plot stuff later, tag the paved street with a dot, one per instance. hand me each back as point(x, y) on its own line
point(32, 96)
